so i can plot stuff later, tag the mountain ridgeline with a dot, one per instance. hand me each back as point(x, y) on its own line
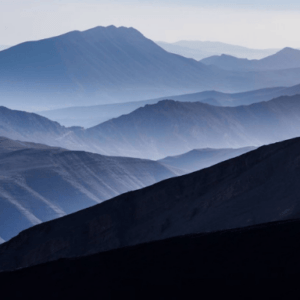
point(88, 116)
point(284, 59)
point(110, 65)
point(167, 128)
point(171, 128)
point(257, 187)
point(40, 183)
point(200, 50)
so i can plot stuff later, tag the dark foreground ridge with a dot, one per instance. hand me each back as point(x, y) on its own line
point(233, 258)
point(257, 187)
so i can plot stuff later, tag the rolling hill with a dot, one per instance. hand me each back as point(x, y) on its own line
point(284, 59)
point(258, 261)
point(257, 187)
point(40, 183)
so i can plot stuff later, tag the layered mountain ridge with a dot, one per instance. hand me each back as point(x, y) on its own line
point(40, 183)
point(257, 187)
point(88, 116)
point(167, 128)
point(284, 59)
point(110, 65)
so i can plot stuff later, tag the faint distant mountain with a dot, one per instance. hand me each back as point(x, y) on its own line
point(171, 128)
point(200, 50)
point(284, 59)
point(88, 116)
point(198, 159)
point(41, 183)
point(257, 187)
point(109, 65)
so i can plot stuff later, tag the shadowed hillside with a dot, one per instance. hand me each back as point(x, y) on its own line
point(257, 187)
point(40, 183)
point(237, 262)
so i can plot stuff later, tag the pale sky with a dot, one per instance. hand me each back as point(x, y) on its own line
point(256, 23)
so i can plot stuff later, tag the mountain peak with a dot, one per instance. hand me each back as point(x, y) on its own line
point(287, 51)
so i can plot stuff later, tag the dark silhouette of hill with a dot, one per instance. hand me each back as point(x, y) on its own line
point(257, 187)
point(109, 65)
point(284, 59)
point(40, 183)
point(254, 262)
point(88, 116)
point(198, 159)
point(171, 128)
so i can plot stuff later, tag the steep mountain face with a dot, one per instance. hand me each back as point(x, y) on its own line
point(110, 65)
point(284, 59)
point(200, 50)
point(41, 183)
point(88, 116)
point(198, 159)
point(171, 128)
point(170, 268)
point(254, 188)
point(104, 61)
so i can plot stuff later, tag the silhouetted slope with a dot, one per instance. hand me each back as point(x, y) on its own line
point(284, 59)
point(238, 260)
point(198, 159)
point(257, 187)
point(171, 128)
point(40, 183)
point(88, 116)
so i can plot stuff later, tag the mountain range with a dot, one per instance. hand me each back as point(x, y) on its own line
point(287, 58)
point(88, 116)
point(109, 65)
point(257, 187)
point(171, 128)
point(167, 128)
point(199, 50)
point(40, 183)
